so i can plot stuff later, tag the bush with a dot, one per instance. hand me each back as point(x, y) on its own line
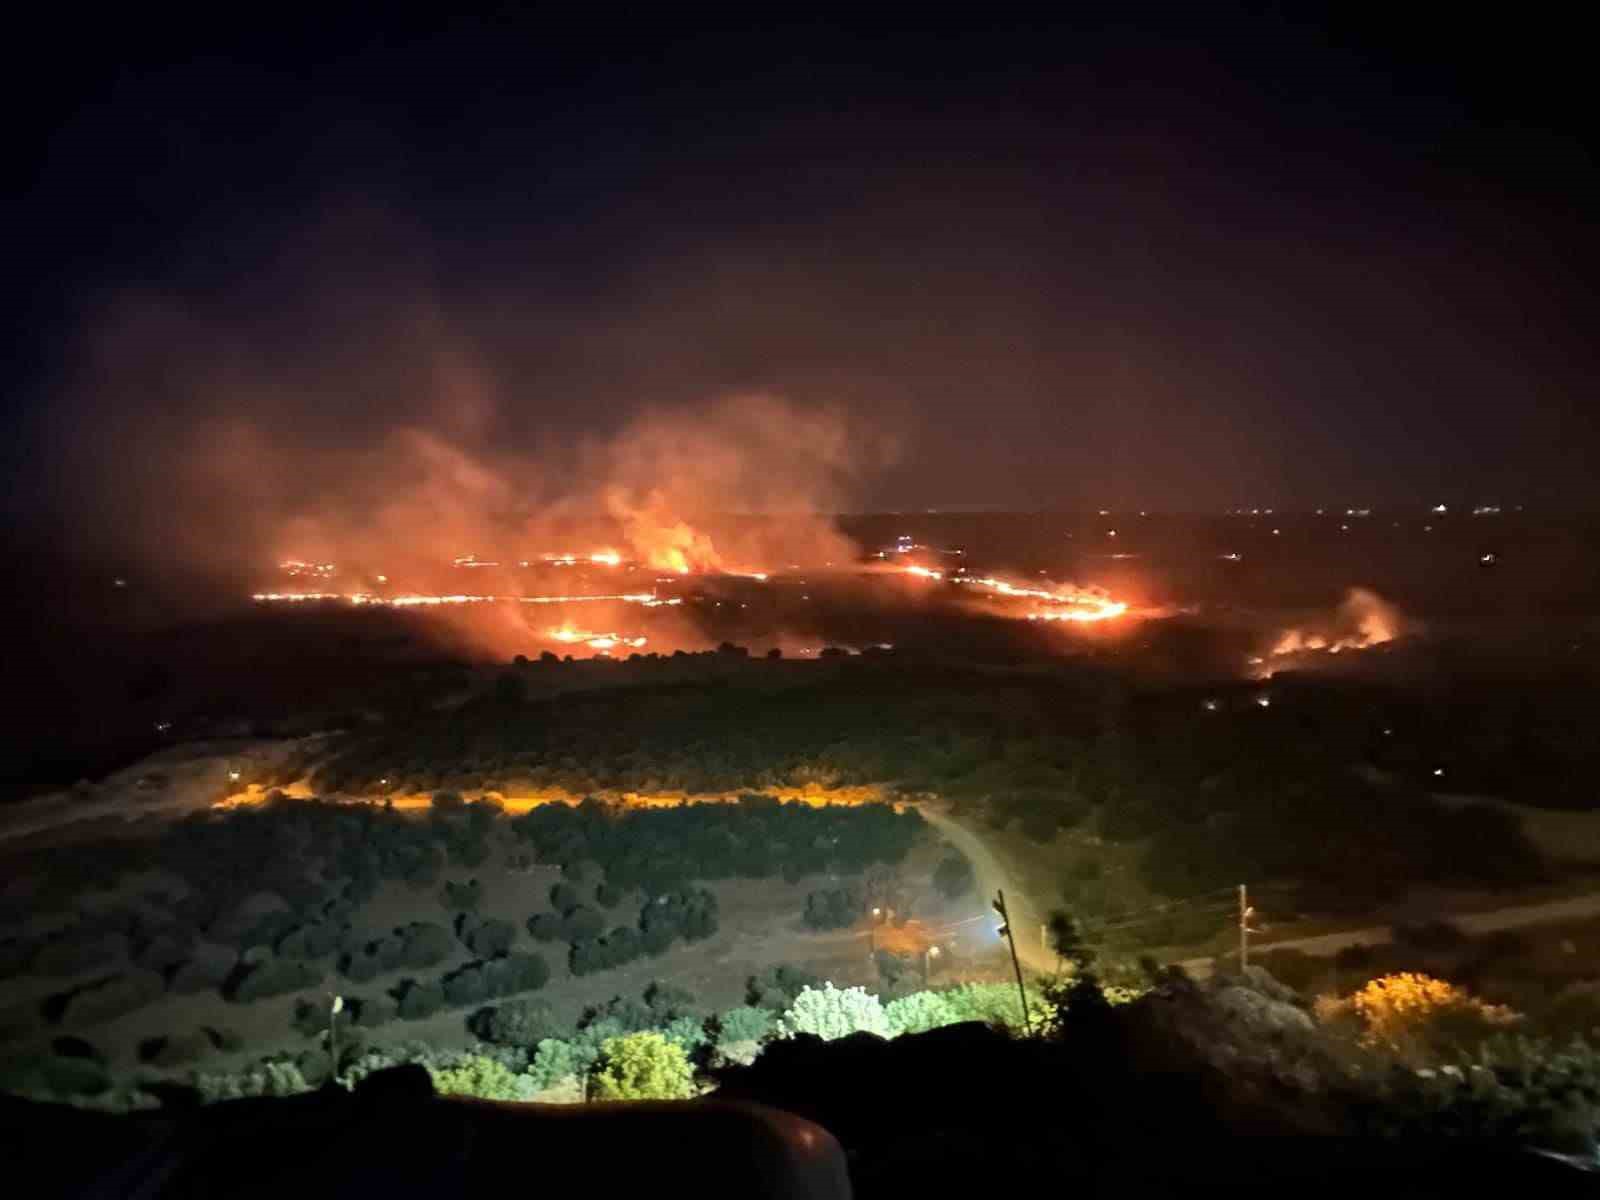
point(112, 997)
point(775, 988)
point(556, 1061)
point(419, 1000)
point(461, 897)
point(547, 927)
point(517, 1023)
point(953, 877)
point(991, 1003)
point(582, 924)
point(275, 1077)
point(275, 977)
point(423, 945)
point(1416, 1015)
point(564, 896)
point(485, 937)
point(642, 1066)
point(174, 1050)
point(834, 908)
point(607, 896)
point(744, 1024)
point(53, 1075)
point(830, 1012)
point(485, 1078)
point(918, 1013)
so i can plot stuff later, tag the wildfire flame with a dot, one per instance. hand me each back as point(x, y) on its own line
point(1362, 621)
point(1072, 603)
point(595, 641)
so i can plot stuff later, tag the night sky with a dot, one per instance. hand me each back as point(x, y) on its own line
point(1155, 260)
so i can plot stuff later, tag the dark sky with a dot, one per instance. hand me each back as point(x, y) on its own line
point(1161, 259)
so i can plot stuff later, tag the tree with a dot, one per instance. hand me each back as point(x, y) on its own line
point(642, 1066)
point(517, 1023)
point(829, 1012)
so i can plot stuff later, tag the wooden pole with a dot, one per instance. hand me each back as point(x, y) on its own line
point(1016, 964)
point(1244, 929)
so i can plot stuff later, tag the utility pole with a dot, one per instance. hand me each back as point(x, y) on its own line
point(1245, 913)
point(1016, 965)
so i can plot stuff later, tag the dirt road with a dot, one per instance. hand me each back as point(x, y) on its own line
point(1516, 917)
point(1026, 916)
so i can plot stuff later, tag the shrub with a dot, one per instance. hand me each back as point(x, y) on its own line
point(419, 1000)
point(919, 1012)
point(175, 1050)
point(830, 1012)
point(485, 1078)
point(744, 1024)
point(270, 1077)
point(582, 924)
point(53, 1075)
point(775, 988)
point(461, 897)
point(991, 1003)
point(112, 997)
point(556, 1061)
point(547, 927)
point(607, 896)
point(485, 937)
point(517, 1023)
point(564, 896)
point(833, 908)
point(1412, 1013)
point(953, 876)
point(423, 945)
point(275, 977)
point(643, 1066)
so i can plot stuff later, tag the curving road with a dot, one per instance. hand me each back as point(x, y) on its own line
point(992, 876)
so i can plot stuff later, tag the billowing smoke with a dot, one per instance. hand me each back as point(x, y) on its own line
point(386, 444)
point(1363, 619)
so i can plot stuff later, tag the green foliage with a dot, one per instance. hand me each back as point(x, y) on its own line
point(461, 897)
point(775, 988)
point(919, 1012)
point(1512, 1089)
point(270, 1077)
point(744, 1024)
point(991, 1003)
point(556, 1061)
point(419, 1000)
point(829, 1012)
point(485, 1078)
point(485, 936)
point(517, 1023)
point(111, 997)
point(642, 1066)
point(834, 908)
point(275, 977)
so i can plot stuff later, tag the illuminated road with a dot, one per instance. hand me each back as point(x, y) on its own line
point(992, 876)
